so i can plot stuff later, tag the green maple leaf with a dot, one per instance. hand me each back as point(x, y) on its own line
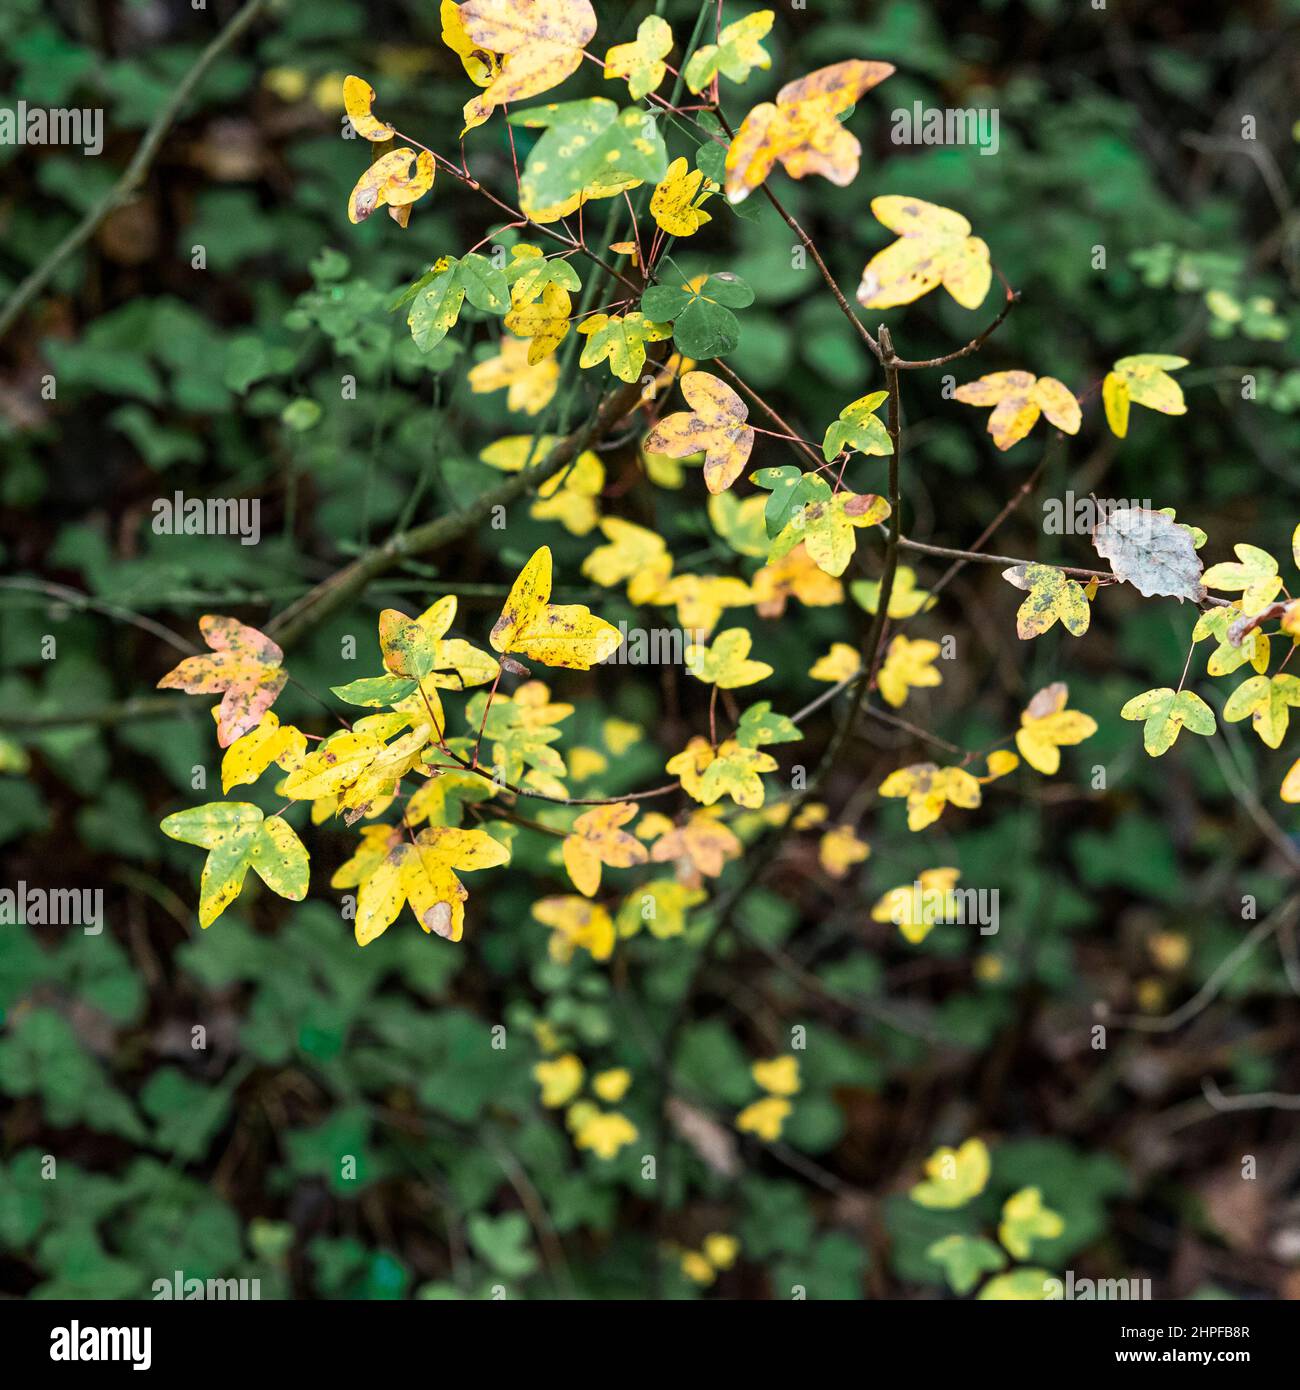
point(1268, 701)
point(588, 145)
point(621, 340)
point(859, 427)
point(237, 839)
point(1167, 713)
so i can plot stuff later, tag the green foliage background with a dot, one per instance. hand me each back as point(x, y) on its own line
point(1118, 130)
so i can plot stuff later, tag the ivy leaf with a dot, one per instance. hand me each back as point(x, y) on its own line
point(802, 130)
point(588, 145)
point(1143, 380)
point(736, 54)
point(1052, 595)
point(244, 669)
point(859, 427)
point(621, 340)
point(1018, 398)
point(641, 63)
point(716, 424)
point(934, 247)
point(1152, 552)
point(238, 838)
point(965, 1259)
point(1268, 701)
point(1166, 714)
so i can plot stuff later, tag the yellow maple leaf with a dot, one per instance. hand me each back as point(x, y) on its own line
point(611, 1086)
point(529, 386)
point(630, 550)
point(597, 840)
point(554, 634)
point(1291, 784)
point(840, 849)
point(1018, 398)
point(916, 908)
point(907, 665)
point(389, 182)
point(575, 923)
point(841, 662)
point(422, 874)
point(640, 63)
point(541, 42)
point(604, 1133)
point(954, 1176)
point(1143, 380)
point(716, 425)
point(270, 742)
point(726, 663)
point(1046, 726)
point(544, 321)
point(795, 575)
point(934, 247)
point(698, 849)
point(802, 129)
point(764, 1118)
point(929, 789)
point(675, 202)
point(560, 1079)
point(1053, 595)
point(778, 1076)
point(701, 598)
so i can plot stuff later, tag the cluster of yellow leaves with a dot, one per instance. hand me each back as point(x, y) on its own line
point(604, 1132)
point(388, 182)
point(802, 129)
point(1018, 398)
point(779, 1077)
point(907, 666)
point(569, 496)
point(529, 385)
point(929, 789)
point(717, 1253)
point(1046, 726)
point(934, 247)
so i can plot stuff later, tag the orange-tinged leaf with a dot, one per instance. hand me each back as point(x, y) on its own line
point(1046, 726)
point(596, 840)
point(802, 129)
point(716, 425)
point(1018, 398)
point(244, 668)
point(389, 181)
point(541, 40)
